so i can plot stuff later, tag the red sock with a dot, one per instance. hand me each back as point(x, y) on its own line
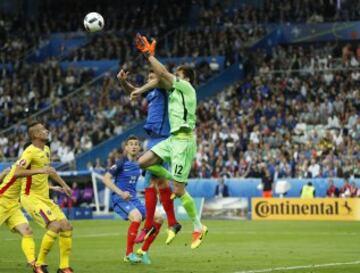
point(150, 204)
point(151, 238)
point(132, 232)
point(168, 205)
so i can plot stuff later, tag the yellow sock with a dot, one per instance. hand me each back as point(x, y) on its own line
point(46, 245)
point(28, 247)
point(65, 244)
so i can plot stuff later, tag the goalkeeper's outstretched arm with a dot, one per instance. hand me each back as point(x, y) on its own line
point(165, 77)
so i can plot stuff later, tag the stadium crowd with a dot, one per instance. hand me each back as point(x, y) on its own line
point(280, 11)
point(36, 86)
point(190, 42)
point(239, 26)
point(20, 33)
point(301, 121)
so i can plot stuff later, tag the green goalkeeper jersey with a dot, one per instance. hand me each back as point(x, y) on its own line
point(182, 106)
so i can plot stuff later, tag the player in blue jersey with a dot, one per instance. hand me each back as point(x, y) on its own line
point(158, 129)
point(125, 174)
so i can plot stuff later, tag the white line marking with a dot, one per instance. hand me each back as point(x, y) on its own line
point(298, 267)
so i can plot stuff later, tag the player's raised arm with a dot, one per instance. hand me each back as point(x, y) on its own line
point(122, 77)
point(145, 88)
point(108, 181)
point(165, 77)
point(20, 171)
point(23, 163)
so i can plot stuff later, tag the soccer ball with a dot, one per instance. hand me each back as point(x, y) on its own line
point(93, 22)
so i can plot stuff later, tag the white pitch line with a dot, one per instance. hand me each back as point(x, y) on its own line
point(288, 268)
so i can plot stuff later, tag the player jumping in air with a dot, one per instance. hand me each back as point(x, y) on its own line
point(10, 209)
point(158, 129)
point(126, 173)
point(180, 148)
point(36, 201)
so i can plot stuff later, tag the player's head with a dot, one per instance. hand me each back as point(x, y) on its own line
point(185, 72)
point(132, 145)
point(37, 131)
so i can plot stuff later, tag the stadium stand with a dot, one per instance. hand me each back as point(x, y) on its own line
point(223, 30)
point(302, 120)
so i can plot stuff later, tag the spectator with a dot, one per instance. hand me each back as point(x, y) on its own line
point(88, 194)
point(65, 201)
point(266, 180)
point(345, 191)
point(332, 190)
point(354, 191)
point(76, 195)
point(205, 170)
point(221, 189)
point(314, 169)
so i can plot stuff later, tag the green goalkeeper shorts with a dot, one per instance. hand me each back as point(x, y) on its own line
point(179, 150)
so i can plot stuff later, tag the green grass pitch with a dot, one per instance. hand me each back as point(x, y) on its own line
point(231, 246)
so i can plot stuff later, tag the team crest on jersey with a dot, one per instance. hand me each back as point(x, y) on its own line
point(22, 163)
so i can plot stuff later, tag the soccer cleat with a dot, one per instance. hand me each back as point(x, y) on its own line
point(172, 231)
point(37, 269)
point(40, 269)
point(145, 259)
point(140, 252)
point(144, 234)
point(132, 258)
point(198, 237)
point(65, 270)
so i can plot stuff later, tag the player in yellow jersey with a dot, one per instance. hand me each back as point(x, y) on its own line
point(10, 210)
point(36, 201)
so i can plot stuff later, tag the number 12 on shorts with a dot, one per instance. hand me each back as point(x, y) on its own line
point(178, 169)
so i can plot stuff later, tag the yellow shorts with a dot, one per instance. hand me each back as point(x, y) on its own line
point(42, 210)
point(11, 214)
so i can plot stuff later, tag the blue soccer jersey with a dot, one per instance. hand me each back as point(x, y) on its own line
point(126, 174)
point(157, 121)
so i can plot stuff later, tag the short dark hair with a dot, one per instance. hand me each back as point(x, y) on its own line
point(131, 137)
point(31, 125)
point(188, 71)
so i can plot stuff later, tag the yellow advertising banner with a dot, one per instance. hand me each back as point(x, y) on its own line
point(336, 209)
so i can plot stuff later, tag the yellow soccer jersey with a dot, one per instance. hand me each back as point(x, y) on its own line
point(10, 188)
point(35, 158)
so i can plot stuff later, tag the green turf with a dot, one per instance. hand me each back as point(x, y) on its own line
point(231, 246)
